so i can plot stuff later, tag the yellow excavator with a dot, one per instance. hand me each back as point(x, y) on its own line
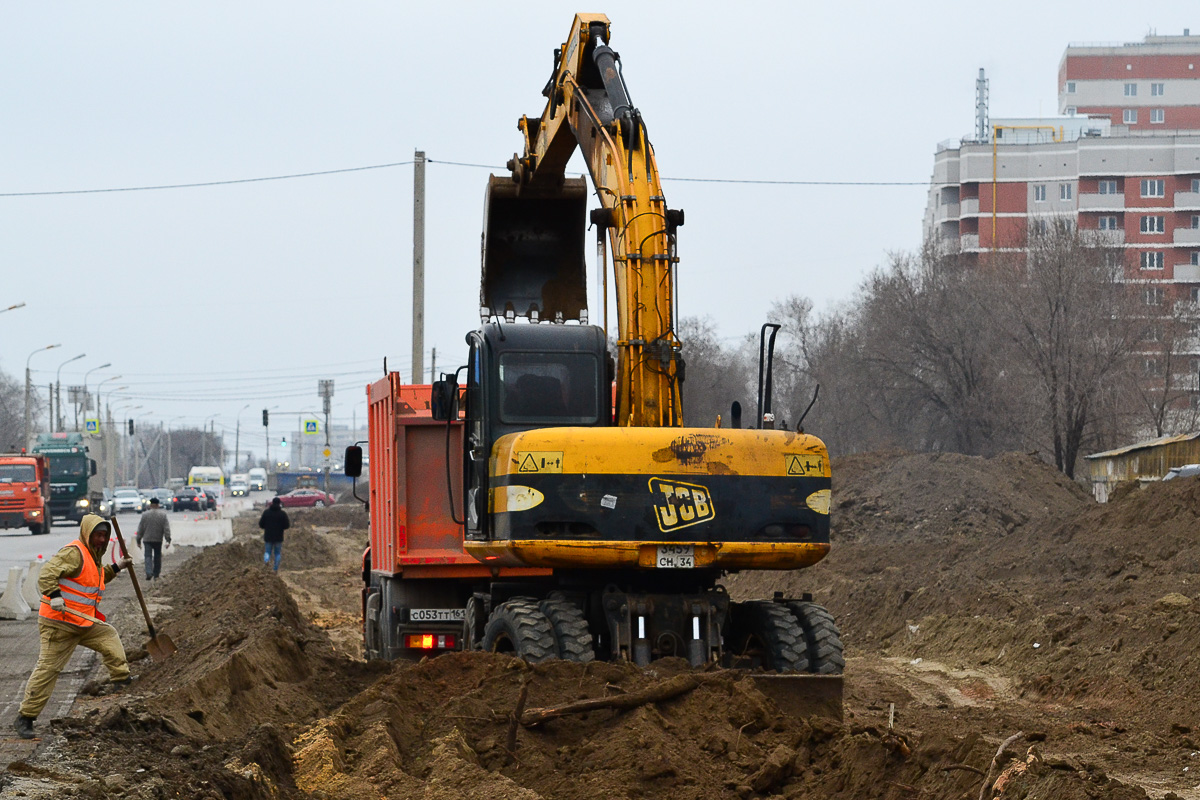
point(609, 525)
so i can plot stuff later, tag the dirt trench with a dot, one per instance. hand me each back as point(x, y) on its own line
point(978, 598)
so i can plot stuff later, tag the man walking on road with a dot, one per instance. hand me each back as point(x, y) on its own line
point(153, 533)
point(72, 585)
point(274, 521)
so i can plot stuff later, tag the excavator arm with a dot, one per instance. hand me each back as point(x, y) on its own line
point(588, 107)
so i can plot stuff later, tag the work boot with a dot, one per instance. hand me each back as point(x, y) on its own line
point(24, 726)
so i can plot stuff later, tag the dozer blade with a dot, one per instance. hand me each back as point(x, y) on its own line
point(533, 251)
point(800, 695)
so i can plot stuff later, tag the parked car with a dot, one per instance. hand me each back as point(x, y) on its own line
point(189, 498)
point(306, 498)
point(164, 497)
point(239, 489)
point(126, 500)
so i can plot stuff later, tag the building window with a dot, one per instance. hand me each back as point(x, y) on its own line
point(1039, 227)
point(1108, 223)
point(1070, 111)
point(1065, 191)
point(1150, 365)
point(1195, 292)
point(1131, 90)
point(1195, 261)
point(1157, 89)
point(1152, 296)
point(1195, 221)
point(1154, 225)
point(1152, 260)
point(1108, 186)
point(1070, 87)
point(1039, 193)
point(1196, 184)
point(1153, 187)
point(1158, 115)
point(1129, 116)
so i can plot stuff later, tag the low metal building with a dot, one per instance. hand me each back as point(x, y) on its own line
point(1144, 461)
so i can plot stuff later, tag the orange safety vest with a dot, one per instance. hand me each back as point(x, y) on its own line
point(82, 593)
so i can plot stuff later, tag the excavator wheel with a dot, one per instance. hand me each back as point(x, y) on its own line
point(519, 627)
point(822, 638)
point(769, 635)
point(571, 634)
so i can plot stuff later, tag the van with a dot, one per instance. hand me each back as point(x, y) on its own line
point(257, 479)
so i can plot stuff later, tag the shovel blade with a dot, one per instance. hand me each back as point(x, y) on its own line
point(161, 647)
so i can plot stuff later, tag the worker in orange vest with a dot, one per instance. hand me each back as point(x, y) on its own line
point(72, 586)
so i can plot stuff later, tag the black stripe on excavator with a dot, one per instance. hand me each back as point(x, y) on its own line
point(706, 508)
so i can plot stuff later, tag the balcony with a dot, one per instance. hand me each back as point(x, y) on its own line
point(969, 241)
point(1187, 273)
point(1187, 236)
point(969, 207)
point(1091, 201)
point(1098, 238)
point(1187, 201)
point(949, 211)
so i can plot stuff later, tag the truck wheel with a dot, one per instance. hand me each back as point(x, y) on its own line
point(822, 638)
point(475, 619)
point(519, 628)
point(36, 529)
point(769, 634)
point(572, 638)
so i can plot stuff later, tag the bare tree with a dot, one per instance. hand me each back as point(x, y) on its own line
point(12, 413)
point(1166, 381)
point(716, 375)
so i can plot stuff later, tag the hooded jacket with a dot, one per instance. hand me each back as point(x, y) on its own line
point(68, 564)
point(274, 521)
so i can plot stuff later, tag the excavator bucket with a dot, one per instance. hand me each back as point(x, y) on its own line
point(533, 251)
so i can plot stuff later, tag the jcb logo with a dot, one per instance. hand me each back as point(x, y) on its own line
point(678, 505)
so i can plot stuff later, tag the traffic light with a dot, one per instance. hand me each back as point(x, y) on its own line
point(264, 417)
point(283, 442)
point(131, 427)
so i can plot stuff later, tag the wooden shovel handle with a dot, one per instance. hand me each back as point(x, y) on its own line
point(133, 577)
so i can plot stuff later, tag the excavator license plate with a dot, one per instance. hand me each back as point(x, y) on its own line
point(676, 556)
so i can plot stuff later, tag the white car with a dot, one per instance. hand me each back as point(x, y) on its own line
point(126, 500)
point(239, 489)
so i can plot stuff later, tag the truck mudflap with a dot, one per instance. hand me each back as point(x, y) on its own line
point(802, 695)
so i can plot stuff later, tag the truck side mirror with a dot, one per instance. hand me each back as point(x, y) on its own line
point(92, 462)
point(353, 461)
point(443, 400)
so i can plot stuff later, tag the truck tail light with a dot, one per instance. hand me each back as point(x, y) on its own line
point(430, 641)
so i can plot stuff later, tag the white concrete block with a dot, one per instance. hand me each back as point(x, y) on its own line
point(12, 604)
point(29, 590)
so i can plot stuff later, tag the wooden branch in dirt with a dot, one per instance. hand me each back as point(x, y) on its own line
point(510, 743)
point(673, 687)
point(989, 780)
point(905, 787)
point(965, 768)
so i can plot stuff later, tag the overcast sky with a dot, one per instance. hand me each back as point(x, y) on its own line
point(206, 300)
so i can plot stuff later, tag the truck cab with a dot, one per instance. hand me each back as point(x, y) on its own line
point(24, 487)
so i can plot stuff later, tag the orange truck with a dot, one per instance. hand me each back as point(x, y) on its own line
point(24, 487)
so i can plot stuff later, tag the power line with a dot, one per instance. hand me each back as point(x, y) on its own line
point(432, 161)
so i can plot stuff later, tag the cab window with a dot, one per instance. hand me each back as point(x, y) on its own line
point(548, 388)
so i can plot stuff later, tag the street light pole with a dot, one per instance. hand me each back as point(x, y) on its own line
point(86, 396)
point(204, 438)
point(58, 392)
point(29, 389)
point(13, 306)
point(237, 438)
point(106, 430)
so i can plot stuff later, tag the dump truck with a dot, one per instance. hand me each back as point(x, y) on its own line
point(71, 467)
point(554, 505)
point(24, 487)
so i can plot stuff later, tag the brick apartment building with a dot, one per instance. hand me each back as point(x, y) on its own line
point(1122, 162)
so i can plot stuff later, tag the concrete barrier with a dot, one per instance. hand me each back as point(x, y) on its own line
point(29, 590)
point(12, 604)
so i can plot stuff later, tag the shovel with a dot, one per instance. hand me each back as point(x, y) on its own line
point(160, 647)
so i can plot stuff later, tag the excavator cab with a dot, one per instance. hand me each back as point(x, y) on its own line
point(533, 246)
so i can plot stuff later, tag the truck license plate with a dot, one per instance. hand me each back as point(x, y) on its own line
point(435, 615)
point(676, 556)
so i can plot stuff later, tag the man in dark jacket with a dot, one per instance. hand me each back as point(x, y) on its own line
point(274, 521)
point(154, 533)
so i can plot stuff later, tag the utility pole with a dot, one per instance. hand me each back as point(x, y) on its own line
point(418, 316)
point(325, 389)
point(433, 366)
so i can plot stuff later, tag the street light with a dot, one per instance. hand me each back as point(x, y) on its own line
point(58, 392)
point(29, 387)
point(237, 438)
point(15, 305)
point(85, 391)
point(106, 456)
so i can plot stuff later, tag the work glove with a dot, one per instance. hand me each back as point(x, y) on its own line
point(125, 563)
point(58, 604)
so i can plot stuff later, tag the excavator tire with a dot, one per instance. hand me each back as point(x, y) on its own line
point(519, 627)
point(770, 632)
point(822, 638)
point(571, 635)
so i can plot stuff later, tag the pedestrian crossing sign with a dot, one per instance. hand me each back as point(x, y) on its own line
point(91, 425)
point(310, 426)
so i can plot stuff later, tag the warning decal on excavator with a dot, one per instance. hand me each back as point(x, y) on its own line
point(540, 461)
point(678, 505)
point(802, 466)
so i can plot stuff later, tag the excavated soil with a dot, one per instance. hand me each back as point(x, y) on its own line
point(979, 599)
